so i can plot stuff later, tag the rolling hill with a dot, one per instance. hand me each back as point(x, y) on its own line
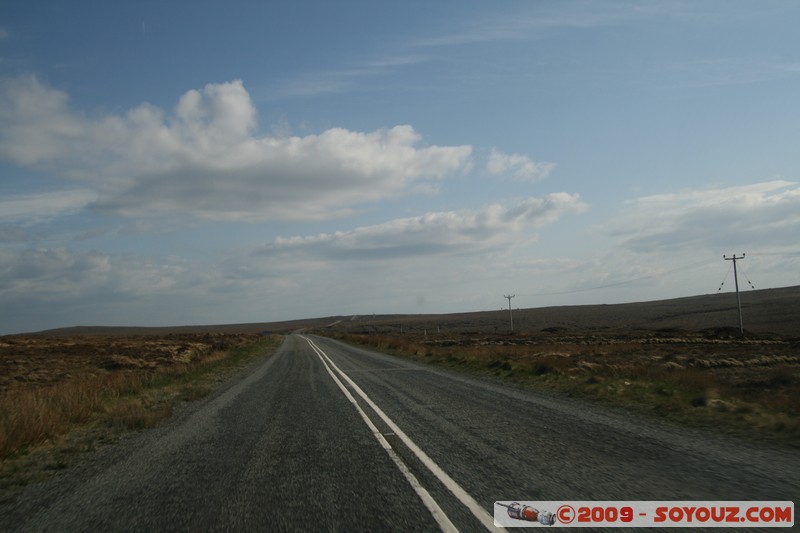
point(766, 311)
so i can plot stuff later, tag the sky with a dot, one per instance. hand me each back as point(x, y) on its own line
point(209, 162)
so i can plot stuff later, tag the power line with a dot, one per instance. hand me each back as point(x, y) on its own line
point(747, 279)
point(728, 273)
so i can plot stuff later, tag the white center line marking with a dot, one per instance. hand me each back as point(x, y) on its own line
point(436, 511)
point(475, 508)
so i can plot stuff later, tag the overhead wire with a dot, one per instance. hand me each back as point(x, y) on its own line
point(745, 277)
point(650, 276)
point(726, 277)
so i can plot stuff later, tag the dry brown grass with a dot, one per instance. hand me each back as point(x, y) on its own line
point(37, 415)
point(61, 397)
point(53, 385)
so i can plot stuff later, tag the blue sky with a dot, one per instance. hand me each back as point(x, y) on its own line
point(166, 163)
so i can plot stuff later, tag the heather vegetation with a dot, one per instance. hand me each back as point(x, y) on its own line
point(64, 395)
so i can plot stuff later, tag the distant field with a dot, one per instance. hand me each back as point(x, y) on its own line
point(766, 312)
point(769, 311)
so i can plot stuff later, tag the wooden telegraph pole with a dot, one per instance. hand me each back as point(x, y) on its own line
point(736, 281)
point(510, 315)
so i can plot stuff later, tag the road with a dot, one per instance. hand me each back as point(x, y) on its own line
point(325, 436)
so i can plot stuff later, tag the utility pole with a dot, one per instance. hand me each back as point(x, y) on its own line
point(736, 281)
point(510, 315)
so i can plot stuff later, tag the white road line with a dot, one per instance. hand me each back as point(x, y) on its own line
point(475, 508)
point(436, 511)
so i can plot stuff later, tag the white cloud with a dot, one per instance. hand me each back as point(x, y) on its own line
point(206, 159)
point(759, 215)
point(437, 233)
point(519, 166)
point(4, 34)
point(34, 208)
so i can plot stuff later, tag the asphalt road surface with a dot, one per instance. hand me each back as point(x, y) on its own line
point(325, 436)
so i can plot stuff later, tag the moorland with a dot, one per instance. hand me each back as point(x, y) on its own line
point(684, 360)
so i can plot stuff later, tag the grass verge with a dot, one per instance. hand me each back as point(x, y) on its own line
point(750, 389)
point(45, 429)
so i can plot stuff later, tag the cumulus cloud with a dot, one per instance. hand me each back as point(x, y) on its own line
point(761, 214)
point(437, 233)
point(206, 158)
point(517, 165)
